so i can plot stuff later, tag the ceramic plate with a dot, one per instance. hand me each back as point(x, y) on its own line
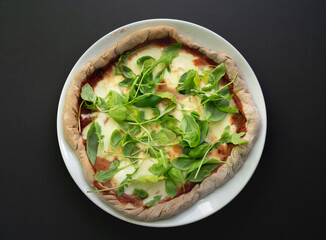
point(221, 196)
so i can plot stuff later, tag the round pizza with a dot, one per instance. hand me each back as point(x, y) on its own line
point(158, 122)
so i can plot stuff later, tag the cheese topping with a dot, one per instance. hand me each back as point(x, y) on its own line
point(181, 64)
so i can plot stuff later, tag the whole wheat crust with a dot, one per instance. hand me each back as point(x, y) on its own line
point(224, 173)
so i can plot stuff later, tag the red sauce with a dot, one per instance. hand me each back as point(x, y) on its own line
point(163, 42)
point(125, 199)
point(95, 77)
point(101, 164)
point(85, 121)
point(100, 186)
point(202, 59)
point(227, 151)
point(239, 121)
point(199, 62)
point(166, 88)
point(188, 186)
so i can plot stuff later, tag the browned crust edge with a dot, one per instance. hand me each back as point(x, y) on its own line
point(224, 173)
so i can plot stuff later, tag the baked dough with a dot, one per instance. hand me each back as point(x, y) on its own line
point(178, 204)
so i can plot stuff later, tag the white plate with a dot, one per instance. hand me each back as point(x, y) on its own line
point(221, 196)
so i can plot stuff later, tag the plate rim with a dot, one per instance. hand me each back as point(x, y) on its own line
point(63, 145)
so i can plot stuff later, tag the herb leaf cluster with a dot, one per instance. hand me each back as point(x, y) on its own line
point(133, 136)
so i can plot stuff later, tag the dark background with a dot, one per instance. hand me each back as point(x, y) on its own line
point(283, 41)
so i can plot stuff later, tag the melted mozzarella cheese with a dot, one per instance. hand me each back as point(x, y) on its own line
point(216, 128)
point(179, 65)
point(108, 125)
point(108, 83)
point(152, 51)
point(152, 189)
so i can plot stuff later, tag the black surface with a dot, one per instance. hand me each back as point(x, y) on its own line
point(283, 41)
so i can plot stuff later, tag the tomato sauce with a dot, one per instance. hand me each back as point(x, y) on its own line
point(101, 164)
point(125, 199)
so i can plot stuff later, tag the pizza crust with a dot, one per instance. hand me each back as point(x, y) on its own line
point(224, 173)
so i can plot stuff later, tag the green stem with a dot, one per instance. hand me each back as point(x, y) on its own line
point(201, 162)
point(207, 100)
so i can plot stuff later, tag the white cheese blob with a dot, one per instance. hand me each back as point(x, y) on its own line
point(108, 83)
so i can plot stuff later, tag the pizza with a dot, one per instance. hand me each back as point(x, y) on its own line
point(158, 122)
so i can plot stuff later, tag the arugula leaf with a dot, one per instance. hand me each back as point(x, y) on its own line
point(155, 200)
point(101, 103)
point(183, 162)
point(216, 76)
point(163, 137)
point(98, 132)
point(88, 94)
point(140, 193)
point(93, 141)
point(114, 99)
point(159, 76)
point(147, 85)
point(127, 72)
point(199, 151)
point(200, 163)
point(170, 53)
point(128, 128)
point(121, 190)
point(128, 144)
point(204, 171)
point(188, 81)
point(176, 174)
point(148, 178)
point(225, 90)
point(132, 92)
point(204, 127)
point(127, 82)
point(171, 187)
point(149, 101)
point(123, 59)
point(104, 176)
point(227, 109)
point(115, 140)
point(141, 60)
point(119, 114)
point(134, 114)
point(219, 71)
point(167, 95)
point(162, 166)
point(171, 123)
point(213, 114)
point(186, 149)
point(234, 138)
point(117, 111)
point(207, 77)
point(154, 152)
point(195, 115)
point(191, 129)
point(128, 148)
point(148, 65)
